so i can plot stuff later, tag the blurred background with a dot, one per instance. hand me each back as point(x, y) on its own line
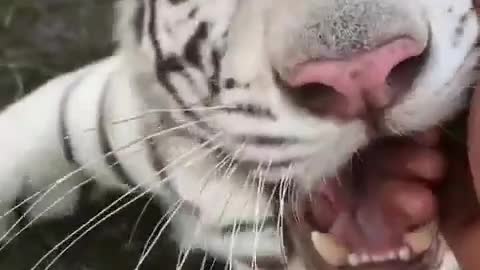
point(42, 38)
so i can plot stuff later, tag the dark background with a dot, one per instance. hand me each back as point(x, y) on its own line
point(38, 40)
point(42, 38)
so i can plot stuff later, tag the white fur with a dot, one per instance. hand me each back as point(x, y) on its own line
point(260, 33)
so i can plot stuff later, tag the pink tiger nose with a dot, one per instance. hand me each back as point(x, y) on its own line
point(360, 84)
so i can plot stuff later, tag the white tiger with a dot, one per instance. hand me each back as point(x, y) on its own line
point(216, 105)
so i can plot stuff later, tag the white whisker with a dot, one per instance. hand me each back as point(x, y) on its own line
point(157, 237)
point(204, 262)
point(257, 212)
point(203, 182)
point(60, 181)
point(185, 256)
point(139, 218)
point(171, 210)
point(117, 210)
point(232, 244)
point(213, 264)
point(284, 183)
point(159, 111)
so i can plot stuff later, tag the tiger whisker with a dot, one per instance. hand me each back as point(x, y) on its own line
point(281, 213)
point(181, 263)
point(203, 182)
point(220, 164)
point(118, 209)
point(204, 262)
point(228, 173)
point(270, 198)
point(159, 111)
point(38, 216)
point(153, 195)
point(139, 218)
point(213, 263)
point(59, 181)
point(169, 212)
point(257, 210)
point(231, 169)
point(294, 201)
point(162, 229)
point(261, 190)
point(269, 203)
point(236, 227)
point(228, 198)
point(232, 244)
point(284, 183)
point(31, 222)
point(230, 194)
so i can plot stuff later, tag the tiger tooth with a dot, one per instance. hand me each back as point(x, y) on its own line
point(365, 258)
point(330, 250)
point(421, 240)
point(392, 255)
point(378, 258)
point(353, 260)
point(405, 254)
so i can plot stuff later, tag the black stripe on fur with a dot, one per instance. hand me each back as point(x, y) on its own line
point(166, 65)
point(105, 144)
point(63, 127)
point(138, 20)
point(192, 49)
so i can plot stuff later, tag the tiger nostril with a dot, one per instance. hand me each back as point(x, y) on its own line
point(356, 86)
point(403, 75)
point(318, 98)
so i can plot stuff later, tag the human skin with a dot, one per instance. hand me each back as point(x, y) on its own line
point(452, 173)
point(459, 199)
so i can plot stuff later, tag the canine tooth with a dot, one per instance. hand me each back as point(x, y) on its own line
point(330, 250)
point(420, 241)
point(404, 254)
point(392, 255)
point(365, 258)
point(354, 260)
point(378, 258)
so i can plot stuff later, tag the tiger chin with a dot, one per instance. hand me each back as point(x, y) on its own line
point(230, 111)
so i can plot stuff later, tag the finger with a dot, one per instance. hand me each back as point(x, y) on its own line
point(459, 212)
point(411, 202)
point(474, 139)
point(412, 161)
point(429, 138)
point(427, 164)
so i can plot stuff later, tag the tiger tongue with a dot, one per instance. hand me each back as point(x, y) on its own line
point(375, 221)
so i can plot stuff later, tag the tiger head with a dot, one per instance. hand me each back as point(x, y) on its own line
point(293, 88)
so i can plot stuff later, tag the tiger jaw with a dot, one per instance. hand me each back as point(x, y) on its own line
point(416, 245)
point(421, 249)
point(418, 250)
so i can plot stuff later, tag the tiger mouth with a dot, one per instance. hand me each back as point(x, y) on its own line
point(320, 99)
point(419, 249)
point(346, 226)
